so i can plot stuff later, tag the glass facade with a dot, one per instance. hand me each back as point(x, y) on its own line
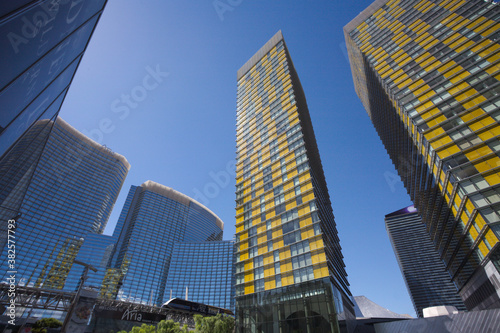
point(70, 195)
point(424, 272)
point(427, 73)
point(42, 44)
point(286, 238)
point(154, 218)
point(206, 269)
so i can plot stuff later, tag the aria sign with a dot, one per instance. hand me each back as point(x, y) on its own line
point(126, 314)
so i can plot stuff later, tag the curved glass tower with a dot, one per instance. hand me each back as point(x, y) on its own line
point(154, 218)
point(290, 274)
point(70, 194)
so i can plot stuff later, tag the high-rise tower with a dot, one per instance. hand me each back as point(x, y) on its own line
point(42, 43)
point(427, 73)
point(424, 273)
point(290, 274)
point(69, 195)
point(154, 218)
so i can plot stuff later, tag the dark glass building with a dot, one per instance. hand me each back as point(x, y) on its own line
point(69, 195)
point(290, 274)
point(42, 43)
point(206, 269)
point(427, 73)
point(425, 275)
point(153, 220)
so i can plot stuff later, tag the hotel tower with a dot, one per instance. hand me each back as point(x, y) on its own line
point(290, 274)
point(427, 73)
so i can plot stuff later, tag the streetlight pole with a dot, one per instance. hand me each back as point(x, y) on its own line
point(77, 296)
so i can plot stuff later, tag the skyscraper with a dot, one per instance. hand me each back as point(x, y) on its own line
point(426, 278)
point(206, 269)
point(69, 195)
point(42, 43)
point(290, 274)
point(154, 218)
point(427, 73)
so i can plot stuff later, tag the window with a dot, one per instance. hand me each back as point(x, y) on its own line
point(291, 226)
point(299, 248)
point(258, 261)
point(259, 285)
point(292, 237)
point(301, 261)
point(279, 199)
point(280, 209)
point(278, 190)
point(303, 274)
point(258, 273)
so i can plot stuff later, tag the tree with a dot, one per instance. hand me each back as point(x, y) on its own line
point(164, 326)
point(41, 325)
point(217, 324)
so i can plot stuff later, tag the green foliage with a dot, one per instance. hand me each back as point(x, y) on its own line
point(217, 324)
point(41, 325)
point(164, 326)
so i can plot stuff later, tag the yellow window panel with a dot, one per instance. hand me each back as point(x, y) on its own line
point(493, 179)
point(416, 84)
point(434, 133)
point(460, 3)
point(449, 188)
point(446, 65)
point(457, 43)
point(473, 233)
point(484, 26)
point(494, 58)
point(472, 115)
point(487, 165)
point(271, 284)
point(473, 102)
point(468, 93)
point(451, 39)
point(427, 106)
point(248, 265)
point(489, 50)
point(469, 207)
point(480, 221)
point(491, 237)
point(477, 126)
point(483, 249)
point(249, 289)
point(464, 47)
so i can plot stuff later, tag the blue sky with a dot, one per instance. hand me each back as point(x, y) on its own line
point(157, 84)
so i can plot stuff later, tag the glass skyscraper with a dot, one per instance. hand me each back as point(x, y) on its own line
point(290, 274)
point(206, 269)
point(42, 44)
point(426, 278)
point(69, 195)
point(154, 218)
point(427, 73)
